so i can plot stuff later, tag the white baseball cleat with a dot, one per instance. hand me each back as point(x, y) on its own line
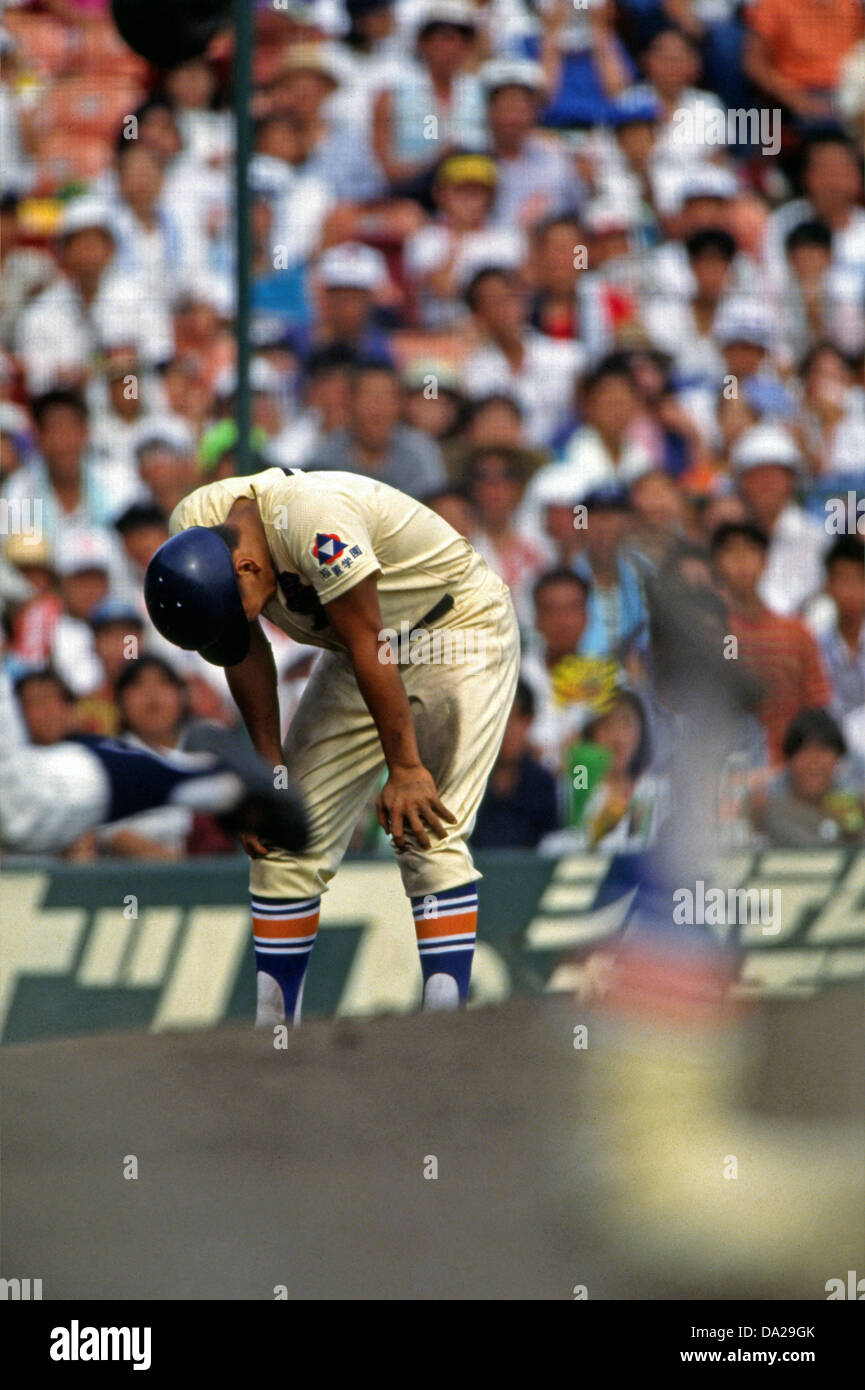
point(270, 1009)
point(441, 992)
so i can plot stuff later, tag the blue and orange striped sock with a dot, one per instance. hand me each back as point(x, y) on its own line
point(446, 927)
point(284, 931)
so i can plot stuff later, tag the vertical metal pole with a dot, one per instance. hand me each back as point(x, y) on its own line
point(243, 37)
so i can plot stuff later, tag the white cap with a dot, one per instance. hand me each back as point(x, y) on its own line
point(83, 550)
point(708, 181)
point(86, 212)
point(352, 265)
point(170, 431)
point(513, 72)
point(206, 287)
point(611, 214)
point(325, 15)
point(490, 251)
point(765, 443)
point(557, 485)
point(263, 376)
point(325, 58)
point(745, 321)
point(455, 12)
point(14, 418)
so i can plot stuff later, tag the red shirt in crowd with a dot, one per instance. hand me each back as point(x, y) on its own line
point(786, 658)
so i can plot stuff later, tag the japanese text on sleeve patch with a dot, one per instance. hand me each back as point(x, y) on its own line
point(334, 556)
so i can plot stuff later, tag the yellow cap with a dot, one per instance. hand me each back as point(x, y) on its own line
point(469, 168)
point(21, 550)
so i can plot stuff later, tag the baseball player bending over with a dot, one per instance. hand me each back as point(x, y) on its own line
point(345, 563)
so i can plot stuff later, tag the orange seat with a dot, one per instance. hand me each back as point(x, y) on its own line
point(411, 345)
point(87, 106)
point(43, 42)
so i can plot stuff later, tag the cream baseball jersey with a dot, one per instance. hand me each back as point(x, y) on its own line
point(326, 531)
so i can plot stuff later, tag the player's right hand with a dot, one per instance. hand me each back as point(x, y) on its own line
point(407, 800)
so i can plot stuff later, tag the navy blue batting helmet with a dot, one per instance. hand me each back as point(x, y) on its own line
point(193, 598)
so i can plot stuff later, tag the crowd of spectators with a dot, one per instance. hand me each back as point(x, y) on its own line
point(586, 277)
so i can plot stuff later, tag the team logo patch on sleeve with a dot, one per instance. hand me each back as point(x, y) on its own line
point(327, 548)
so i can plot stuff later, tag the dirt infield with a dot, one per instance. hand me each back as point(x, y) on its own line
point(305, 1168)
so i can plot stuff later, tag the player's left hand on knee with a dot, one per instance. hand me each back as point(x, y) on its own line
point(407, 800)
point(254, 846)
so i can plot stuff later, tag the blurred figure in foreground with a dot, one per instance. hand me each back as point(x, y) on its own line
point(51, 796)
point(669, 1099)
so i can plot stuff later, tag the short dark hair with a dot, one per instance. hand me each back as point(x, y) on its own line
point(828, 134)
point(484, 272)
point(43, 673)
point(447, 490)
point(124, 145)
point(139, 515)
point(813, 726)
point(158, 102)
point(58, 396)
point(569, 217)
point(134, 670)
point(482, 403)
point(816, 350)
point(373, 366)
point(335, 357)
point(668, 27)
point(560, 575)
point(850, 548)
point(643, 753)
point(516, 468)
point(713, 239)
point(227, 533)
point(812, 232)
point(744, 530)
point(615, 366)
